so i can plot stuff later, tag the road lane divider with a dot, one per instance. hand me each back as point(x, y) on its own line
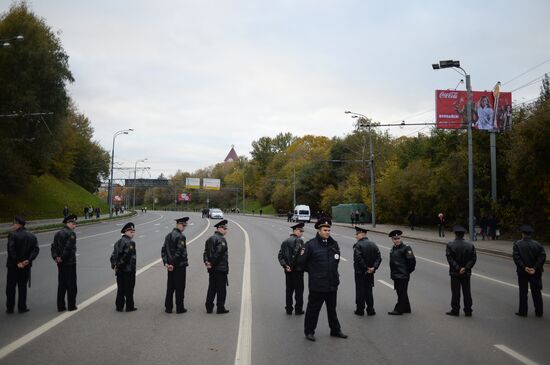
point(243, 354)
point(8, 349)
point(516, 355)
point(386, 284)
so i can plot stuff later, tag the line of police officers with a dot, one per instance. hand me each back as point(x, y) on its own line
point(320, 257)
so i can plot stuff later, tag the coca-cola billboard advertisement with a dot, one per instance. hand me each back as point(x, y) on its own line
point(491, 111)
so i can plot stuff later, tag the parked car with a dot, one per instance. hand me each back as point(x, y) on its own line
point(216, 213)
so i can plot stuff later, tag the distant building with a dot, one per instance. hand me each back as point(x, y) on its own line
point(232, 155)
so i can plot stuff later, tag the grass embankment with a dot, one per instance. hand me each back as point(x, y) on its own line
point(45, 197)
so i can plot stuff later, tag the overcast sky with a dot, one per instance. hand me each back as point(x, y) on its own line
point(195, 77)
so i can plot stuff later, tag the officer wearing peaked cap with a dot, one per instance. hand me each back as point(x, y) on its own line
point(402, 264)
point(366, 260)
point(294, 273)
point(63, 251)
point(215, 259)
point(174, 256)
point(320, 258)
point(22, 249)
point(529, 257)
point(123, 261)
point(461, 256)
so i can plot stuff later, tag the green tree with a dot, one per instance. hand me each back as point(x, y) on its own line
point(33, 75)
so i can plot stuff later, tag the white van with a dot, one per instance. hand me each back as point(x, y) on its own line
point(301, 214)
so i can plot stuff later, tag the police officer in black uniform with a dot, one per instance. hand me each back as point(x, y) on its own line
point(320, 258)
point(529, 257)
point(64, 254)
point(123, 261)
point(461, 255)
point(366, 260)
point(174, 256)
point(215, 259)
point(294, 274)
point(22, 250)
point(402, 264)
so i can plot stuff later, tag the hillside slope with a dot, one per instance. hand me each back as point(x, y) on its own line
point(45, 197)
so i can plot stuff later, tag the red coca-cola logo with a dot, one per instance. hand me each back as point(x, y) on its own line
point(448, 95)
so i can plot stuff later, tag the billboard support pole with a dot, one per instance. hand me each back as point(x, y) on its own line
point(493, 146)
point(470, 159)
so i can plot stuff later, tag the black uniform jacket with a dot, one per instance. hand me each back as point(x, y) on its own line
point(174, 250)
point(321, 260)
point(124, 255)
point(461, 253)
point(215, 252)
point(365, 254)
point(290, 249)
point(529, 253)
point(64, 246)
point(402, 261)
point(22, 245)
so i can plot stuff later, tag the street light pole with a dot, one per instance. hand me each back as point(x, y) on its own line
point(363, 122)
point(135, 170)
point(110, 194)
point(456, 64)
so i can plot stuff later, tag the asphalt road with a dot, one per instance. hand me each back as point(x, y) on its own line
point(257, 330)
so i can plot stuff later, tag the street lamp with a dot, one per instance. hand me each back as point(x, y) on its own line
point(135, 169)
point(362, 123)
point(456, 64)
point(5, 43)
point(110, 195)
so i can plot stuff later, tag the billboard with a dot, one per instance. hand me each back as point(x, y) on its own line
point(186, 197)
point(491, 110)
point(145, 183)
point(193, 183)
point(211, 184)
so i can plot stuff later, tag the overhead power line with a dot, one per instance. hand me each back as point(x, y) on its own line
point(526, 72)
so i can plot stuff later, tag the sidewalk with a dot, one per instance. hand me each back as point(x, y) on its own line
point(46, 222)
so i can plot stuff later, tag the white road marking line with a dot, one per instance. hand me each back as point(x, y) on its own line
point(342, 258)
point(386, 284)
point(243, 354)
point(157, 224)
point(95, 235)
point(156, 231)
point(141, 236)
point(8, 349)
point(516, 355)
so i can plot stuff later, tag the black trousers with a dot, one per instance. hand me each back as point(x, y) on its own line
point(456, 283)
point(363, 292)
point(17, 278)
point(125, 282)
point(294, 286)
point(535, 281)
point(441, 229)
point(217, 282)
point(175, 283)
point(401, 286)
point(314, 304)
point(66, 284)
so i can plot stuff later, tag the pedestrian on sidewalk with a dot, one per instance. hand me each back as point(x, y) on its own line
point(174, 257)
point(294, 273)
point(441, 224)
point(216, 260)
point(529, 257)
point(352, 218)
point(65, 212)
point(461, 256)
point(366, 260)
point(22, 250)
point(402, 264)
point(412, 219)
point(63, 251)
point(123, 262)
point(320, 258)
